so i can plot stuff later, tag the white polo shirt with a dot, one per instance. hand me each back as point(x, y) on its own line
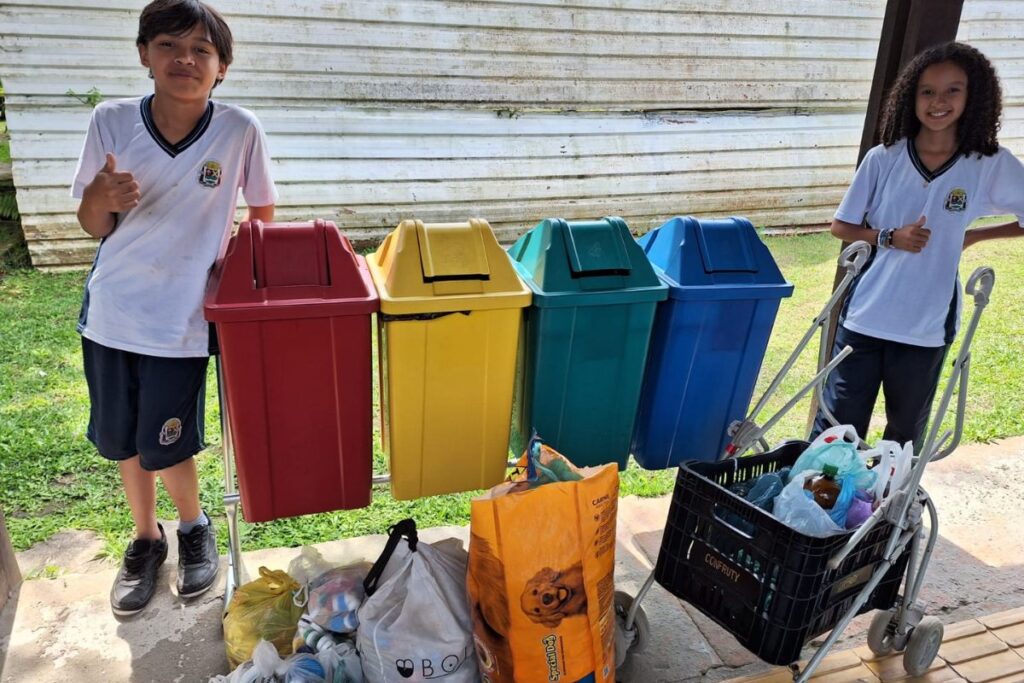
point(913, 298)
point(145, 291)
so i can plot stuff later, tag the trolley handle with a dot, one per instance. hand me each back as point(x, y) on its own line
point(980, 285)
point(853, 258)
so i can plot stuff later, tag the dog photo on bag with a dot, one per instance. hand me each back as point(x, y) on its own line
point(551, 596)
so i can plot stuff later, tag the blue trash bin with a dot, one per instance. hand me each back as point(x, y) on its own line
point(709, 337)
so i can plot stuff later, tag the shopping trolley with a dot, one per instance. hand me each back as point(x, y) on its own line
point(775, 588)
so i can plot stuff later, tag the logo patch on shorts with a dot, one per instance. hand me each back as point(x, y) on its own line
point(956, 200)
point(209, 174)
point(170, 432)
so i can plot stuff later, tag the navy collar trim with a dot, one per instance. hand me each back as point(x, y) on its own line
point(923, 170)
point(173, 150)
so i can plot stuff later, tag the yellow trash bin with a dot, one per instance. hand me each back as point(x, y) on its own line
point(448, 329)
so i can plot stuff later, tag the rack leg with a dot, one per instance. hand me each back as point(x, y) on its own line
point(234, 573)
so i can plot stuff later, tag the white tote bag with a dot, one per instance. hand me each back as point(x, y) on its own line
point(414, 624)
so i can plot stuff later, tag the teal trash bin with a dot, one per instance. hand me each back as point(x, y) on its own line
point(709, 336)
point(585, 337)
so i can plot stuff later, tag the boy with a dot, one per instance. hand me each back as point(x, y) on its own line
point(158, 180)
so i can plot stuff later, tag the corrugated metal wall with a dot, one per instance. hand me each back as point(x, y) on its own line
point(379, 110)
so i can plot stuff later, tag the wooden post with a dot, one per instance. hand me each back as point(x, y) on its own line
point(10, 575)
point(909, 27)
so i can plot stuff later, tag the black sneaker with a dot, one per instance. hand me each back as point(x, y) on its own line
point(197, 560)
point(136, 580)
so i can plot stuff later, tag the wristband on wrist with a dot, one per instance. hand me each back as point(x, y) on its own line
point(884, 238)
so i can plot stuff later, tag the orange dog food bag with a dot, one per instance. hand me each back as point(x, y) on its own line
point(541, 573)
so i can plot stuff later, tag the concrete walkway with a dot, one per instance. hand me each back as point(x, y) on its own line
point(61, 629)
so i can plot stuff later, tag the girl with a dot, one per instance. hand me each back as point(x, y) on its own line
point(939, 167)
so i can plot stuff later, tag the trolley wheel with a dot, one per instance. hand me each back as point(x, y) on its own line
point(634, 639)
point(923, 646)
point(880, 637)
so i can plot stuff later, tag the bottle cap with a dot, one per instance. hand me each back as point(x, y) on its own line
point(830, 470)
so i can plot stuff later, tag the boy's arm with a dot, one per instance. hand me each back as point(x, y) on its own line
point(262, 213)
point(993, 232)
point(109, 193)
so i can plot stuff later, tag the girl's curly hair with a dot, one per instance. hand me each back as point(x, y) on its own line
point(979, 124)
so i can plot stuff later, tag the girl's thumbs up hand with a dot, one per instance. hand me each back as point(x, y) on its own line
point(912, 237)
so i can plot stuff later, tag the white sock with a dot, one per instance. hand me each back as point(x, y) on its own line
point(185, 527)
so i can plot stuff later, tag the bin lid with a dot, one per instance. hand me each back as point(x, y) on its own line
point(714, 259)
point(444, 267)
point(288, 270)
point(574, 263)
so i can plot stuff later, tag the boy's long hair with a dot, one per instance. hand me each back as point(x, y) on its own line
point(177, 17)
point(978, 125)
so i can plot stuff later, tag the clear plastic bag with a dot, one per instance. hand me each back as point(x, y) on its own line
point(834, 447)
point(335, 597)
point(341, 662)
point(267, 666)
point(794, 508)
point(308, 565)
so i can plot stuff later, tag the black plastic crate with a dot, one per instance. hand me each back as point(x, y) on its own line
point(767, 584)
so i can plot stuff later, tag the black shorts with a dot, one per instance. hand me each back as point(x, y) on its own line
point(145, 405)
point(906, 374)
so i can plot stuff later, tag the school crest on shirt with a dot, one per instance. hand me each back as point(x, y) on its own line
point(956, 200)
point(209, 174)
point(170, 432)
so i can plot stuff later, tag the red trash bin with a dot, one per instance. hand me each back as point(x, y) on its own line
point(292, 306)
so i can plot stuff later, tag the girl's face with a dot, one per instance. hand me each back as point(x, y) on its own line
point(941, 97)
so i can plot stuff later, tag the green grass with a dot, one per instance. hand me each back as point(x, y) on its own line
point(52, 479)
point(5, 145)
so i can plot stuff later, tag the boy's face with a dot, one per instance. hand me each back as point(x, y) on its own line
point(184, 67)
point(941, 96)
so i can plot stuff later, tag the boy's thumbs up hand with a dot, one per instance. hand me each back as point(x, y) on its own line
point(111, 190)
point(912, 236)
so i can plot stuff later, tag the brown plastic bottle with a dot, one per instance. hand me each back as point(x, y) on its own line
point(824, 486)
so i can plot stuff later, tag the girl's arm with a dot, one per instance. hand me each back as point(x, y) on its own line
point(848, 232)
point(912, 237)
point(992, 232)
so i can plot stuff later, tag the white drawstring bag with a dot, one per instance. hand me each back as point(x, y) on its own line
point(414, 624)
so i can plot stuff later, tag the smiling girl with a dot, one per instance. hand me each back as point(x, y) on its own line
point(939, 168)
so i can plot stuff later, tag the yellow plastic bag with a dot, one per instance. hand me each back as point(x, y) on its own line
point(541, 573)
point(263, 609)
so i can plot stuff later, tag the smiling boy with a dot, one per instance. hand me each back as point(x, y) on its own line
point(158, 180)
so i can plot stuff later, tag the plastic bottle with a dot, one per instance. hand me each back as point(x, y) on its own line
point(824, 486)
